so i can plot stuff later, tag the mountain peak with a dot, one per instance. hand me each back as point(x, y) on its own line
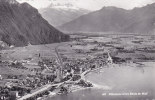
point(112, 19)
point(60, 12)
point(112, 8)
point(63, 5)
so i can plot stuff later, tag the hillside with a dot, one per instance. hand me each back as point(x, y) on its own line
point(112, 19)
point(21, 24)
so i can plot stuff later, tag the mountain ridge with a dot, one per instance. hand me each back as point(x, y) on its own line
point(58, 14)
point(21, 24)
point(113, 19)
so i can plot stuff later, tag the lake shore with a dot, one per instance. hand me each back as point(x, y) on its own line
point(75, 88)
point(79, 88)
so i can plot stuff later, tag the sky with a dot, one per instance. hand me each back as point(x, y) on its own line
point(91, 4)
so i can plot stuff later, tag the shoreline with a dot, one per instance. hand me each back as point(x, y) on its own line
point(95, 85)
point(84, 88)
point(79, 88)
point(52, 94)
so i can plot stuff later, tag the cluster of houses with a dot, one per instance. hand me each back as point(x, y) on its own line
point(49, 71)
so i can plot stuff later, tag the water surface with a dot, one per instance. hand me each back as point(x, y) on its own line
point(125, 83)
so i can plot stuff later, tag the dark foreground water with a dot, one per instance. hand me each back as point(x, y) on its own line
point(125, 83)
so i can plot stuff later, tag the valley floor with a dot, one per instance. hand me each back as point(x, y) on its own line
point(25, 70)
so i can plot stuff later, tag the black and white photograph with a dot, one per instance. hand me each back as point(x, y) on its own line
point(77, 49)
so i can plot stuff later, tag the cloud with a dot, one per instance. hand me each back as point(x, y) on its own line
point(92, 4)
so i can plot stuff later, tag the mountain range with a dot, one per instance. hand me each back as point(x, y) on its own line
point(21, 24)
point(60, 13)
point(112, 19)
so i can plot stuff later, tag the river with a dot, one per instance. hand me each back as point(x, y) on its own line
point(125, 83)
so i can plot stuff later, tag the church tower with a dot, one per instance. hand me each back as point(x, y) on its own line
point(109, 60)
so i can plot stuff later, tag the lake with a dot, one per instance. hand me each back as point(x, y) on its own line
point(124, 83)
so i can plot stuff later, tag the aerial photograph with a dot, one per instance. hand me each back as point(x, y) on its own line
point(77, 49)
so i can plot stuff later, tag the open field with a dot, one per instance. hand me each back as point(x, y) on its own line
point(135, 48)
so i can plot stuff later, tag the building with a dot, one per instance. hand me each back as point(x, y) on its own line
point(109, 60)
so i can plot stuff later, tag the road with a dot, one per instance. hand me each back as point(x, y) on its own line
point(58, 56)
point(46, 87)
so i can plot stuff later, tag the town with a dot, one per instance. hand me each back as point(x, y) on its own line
point(32, 72)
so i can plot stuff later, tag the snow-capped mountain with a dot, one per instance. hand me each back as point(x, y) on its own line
point(66, 6)
point(58, 13)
